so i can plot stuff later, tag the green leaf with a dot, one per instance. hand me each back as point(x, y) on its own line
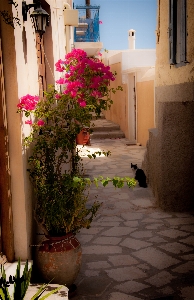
point(104, 182)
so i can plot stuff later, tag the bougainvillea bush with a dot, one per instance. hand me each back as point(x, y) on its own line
point(55, 164)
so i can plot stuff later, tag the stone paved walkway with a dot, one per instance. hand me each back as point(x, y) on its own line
point(133, 250)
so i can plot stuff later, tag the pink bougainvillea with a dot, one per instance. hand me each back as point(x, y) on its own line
point(28, 102)
point(86, 76)
point(29, 122)
point(40, 123)
point(84, 82)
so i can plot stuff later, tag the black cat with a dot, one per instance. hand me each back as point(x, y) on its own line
point(139, 176)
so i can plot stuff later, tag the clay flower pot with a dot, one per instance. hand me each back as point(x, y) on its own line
point(83, 138)
point(59, 259)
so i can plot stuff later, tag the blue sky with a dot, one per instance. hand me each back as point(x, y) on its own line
point(118, 16)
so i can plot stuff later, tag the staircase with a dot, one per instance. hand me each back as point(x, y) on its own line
point(104, 129)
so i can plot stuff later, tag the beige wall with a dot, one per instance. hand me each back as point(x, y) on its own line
point(145, 110)
point(21, 77)
point(119, 110)
point(169, 158)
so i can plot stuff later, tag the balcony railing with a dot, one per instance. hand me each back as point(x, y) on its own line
point(88, 27)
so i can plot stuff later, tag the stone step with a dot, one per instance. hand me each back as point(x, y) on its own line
point(107, 134)
point(104, 129)
point(114, 127)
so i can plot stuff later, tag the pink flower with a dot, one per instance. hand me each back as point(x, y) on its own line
point(82, 103)
point(57, 96)
point(100, 22)
point(28, 102)
point(100, 54)
point(60, 81)
point(59, 65)
point(28, 122)
point(40, 123)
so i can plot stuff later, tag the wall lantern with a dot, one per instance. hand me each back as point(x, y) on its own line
point(40, 16)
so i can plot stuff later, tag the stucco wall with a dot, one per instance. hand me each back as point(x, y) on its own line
point(119, 108)
point(145, 110)
point(169, 159)
point(21, 77)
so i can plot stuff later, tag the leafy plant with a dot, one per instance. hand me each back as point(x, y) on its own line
point(21, 285)
point(55, 165)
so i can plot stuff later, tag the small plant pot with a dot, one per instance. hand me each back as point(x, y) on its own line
point(59, 259)
point(83, 138)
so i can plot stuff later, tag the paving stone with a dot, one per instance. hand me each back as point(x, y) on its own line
point(156, 258)
point(167, 290)
point(187, 293)
point(125, 273)
point(83, 239)
point(150, 220)
point(89, 273)
point(122, 260)
point(189, 240)
point(98, 265)
point(176, 248)
point(142, 203)
point(118, 231)
point(91, 230)
point(131, 287)
point(160, 215)
point(110, 219)
point(188, 257)
point(157, 239)
point(144, 266)
point(121, 296)
point(189, 228)
point(180, 221)
point(172, 233)
point(141, 234)
point(132, 216)
point(154, 226)
point(134, 244)
point(101, 249)
point(123, 205)
point(107, 241)
point(185, 267)
point(106, 224)
point(160, 279)
point(93, 286)
point(131, 223)
point(122, 196)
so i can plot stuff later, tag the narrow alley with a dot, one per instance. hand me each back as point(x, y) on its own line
point(133, 250)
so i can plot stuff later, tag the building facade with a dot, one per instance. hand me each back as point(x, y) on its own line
point(26, 67)
point(134, 107)
point(169, 159)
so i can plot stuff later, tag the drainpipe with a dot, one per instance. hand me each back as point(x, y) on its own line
point(88, 12)
point(67, 31)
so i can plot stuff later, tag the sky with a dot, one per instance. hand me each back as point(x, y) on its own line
point(118, 16)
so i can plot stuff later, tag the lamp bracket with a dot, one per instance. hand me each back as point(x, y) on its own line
point(26, 7)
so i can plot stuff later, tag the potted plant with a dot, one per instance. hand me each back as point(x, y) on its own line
point(55, 166)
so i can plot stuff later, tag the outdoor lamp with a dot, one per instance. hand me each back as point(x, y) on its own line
point(40, 16)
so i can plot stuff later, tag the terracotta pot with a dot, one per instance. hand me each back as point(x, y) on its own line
point(83, 138)
point(59, 259)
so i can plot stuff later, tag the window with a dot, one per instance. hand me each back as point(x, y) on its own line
point(177, 32)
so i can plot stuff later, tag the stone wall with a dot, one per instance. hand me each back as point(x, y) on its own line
point(169, 159)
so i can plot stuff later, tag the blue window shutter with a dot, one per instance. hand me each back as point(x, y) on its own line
point(183, 32)
point(172, 30)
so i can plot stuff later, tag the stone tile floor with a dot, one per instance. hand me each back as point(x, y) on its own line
point(133, 250)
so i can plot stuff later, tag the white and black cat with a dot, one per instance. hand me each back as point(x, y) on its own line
point(139, 176)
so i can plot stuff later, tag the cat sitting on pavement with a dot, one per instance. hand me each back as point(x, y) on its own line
point(139, 176)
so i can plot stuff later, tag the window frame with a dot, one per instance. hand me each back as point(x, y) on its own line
point(177, 32)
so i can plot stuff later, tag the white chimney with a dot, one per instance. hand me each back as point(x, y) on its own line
point(131, 38)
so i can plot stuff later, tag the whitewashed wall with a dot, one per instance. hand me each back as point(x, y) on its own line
point(27, 82)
